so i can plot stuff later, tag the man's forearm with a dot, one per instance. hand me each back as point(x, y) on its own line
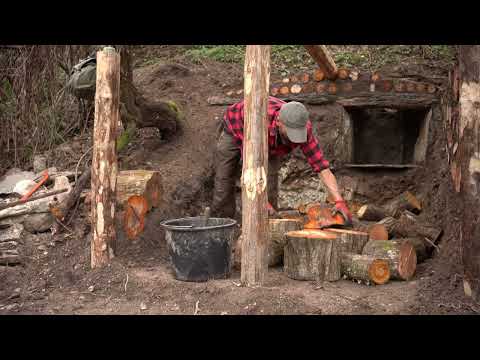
point(331, 183)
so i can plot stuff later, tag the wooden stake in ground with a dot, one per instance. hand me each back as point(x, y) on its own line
point(365, 268)
point(350, 241)
point(104, 161)
point(255, 166)
point(401, 256)
point(324, 60)
point(312, 255)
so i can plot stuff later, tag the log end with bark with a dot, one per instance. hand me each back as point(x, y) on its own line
point(136, 208)
point(365, 268)
point(401, 256)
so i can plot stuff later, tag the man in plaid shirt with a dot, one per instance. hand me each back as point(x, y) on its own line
point(288, 129)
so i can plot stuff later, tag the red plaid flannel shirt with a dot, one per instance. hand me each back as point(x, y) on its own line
point(233, 121)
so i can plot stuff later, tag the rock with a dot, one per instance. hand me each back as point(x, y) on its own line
point(91, 288)
point(11, 232)
point(24, 186)
point(81, 297)
point(12, 177)
point(143, 306)
point(39, 163)
point(38, 223)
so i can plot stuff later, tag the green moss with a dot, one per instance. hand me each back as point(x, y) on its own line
point(124, 139)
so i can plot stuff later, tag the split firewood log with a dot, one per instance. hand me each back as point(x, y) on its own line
point(409, 225)
point(401, 256)
point(372, 213)
point(394, 207)
point(139, 182)
point(378, 232)
point(365, 268)
point(312, 255)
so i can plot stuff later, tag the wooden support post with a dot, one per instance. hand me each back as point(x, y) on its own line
point(104, 162)
point(255, 166)
point(466, 165)
point(322, 57)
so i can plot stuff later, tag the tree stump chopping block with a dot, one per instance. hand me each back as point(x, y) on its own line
point(350, 241)
point(278, 228)
point(365, 268)
point(401, 256)
point(312, 255)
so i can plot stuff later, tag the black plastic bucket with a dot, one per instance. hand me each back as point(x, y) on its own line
point(200, 253)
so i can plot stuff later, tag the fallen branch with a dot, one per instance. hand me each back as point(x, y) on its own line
point(38, 197)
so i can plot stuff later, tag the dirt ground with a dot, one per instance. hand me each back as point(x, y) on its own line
point(56, 277)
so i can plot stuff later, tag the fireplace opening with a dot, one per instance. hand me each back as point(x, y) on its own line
point(387, 137)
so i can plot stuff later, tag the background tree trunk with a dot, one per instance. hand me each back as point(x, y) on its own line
point(467, 159)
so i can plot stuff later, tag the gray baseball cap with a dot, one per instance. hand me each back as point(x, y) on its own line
point(294, 116)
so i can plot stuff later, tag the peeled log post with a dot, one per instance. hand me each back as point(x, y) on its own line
point(312, 255)
point(365, 268)
point(139, 182)
point(255, 166)
point(350, 241)
point(324, 60)
point(104, 161)
point(400, 255)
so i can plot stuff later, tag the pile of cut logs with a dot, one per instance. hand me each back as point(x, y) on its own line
point(47, 201)
point(386, 242)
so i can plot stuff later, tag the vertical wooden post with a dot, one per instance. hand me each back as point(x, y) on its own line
point(255, 166)
point(104, 162)
point(466, 162)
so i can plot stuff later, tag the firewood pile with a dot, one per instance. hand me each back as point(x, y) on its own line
point(48, 200)
point(386, 242)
